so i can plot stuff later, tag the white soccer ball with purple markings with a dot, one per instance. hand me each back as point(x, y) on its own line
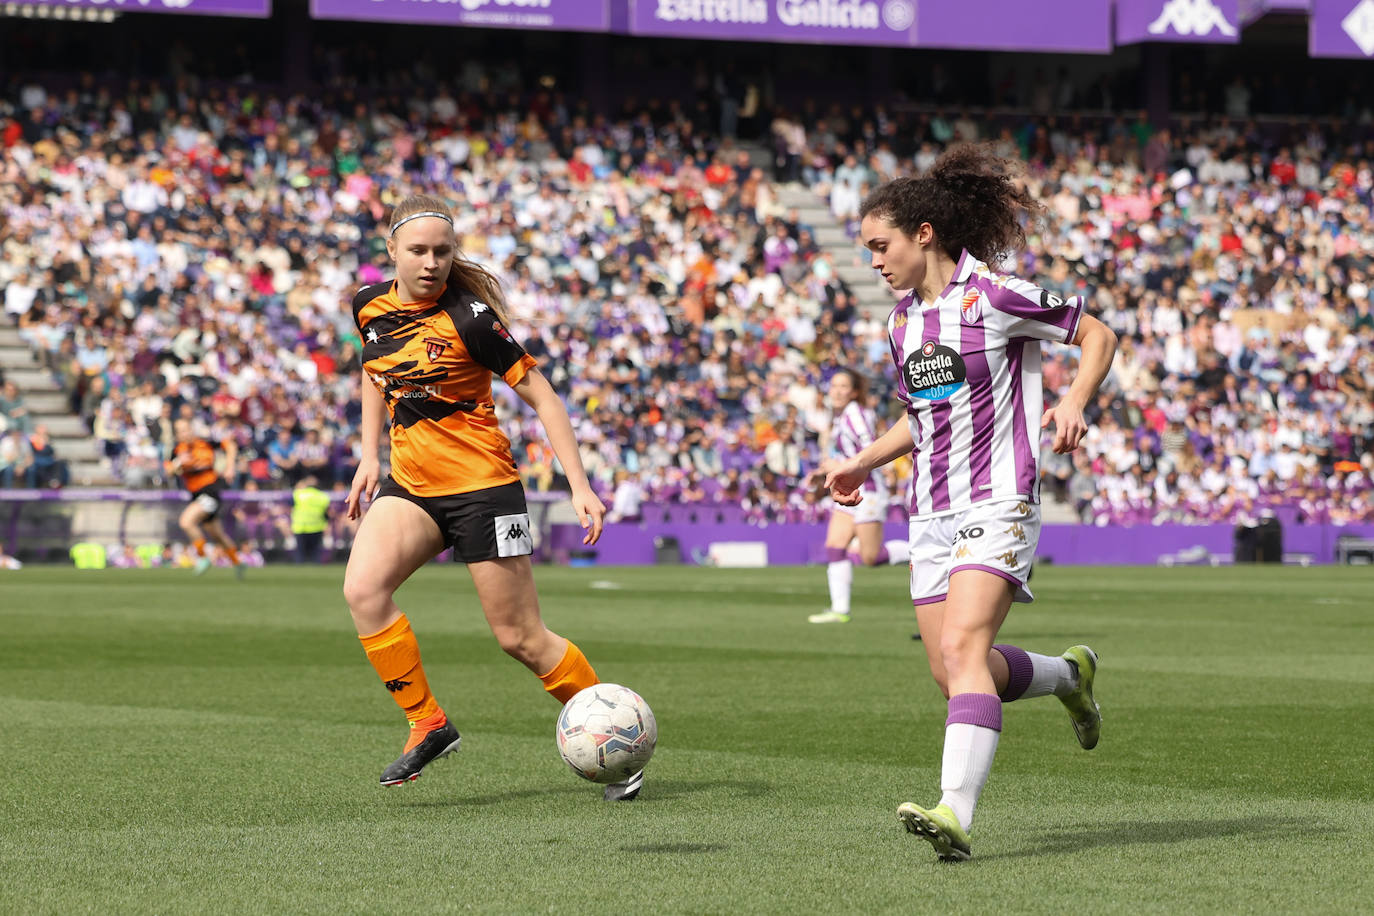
point(606, 733)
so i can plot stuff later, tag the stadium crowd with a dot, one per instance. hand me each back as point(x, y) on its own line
point(190, 251)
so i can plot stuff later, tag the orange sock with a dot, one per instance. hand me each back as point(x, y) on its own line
point(233, 554)
point(198, 545)
point(396, 656)
point(572, 674)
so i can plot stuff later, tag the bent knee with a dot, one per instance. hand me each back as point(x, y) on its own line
point(957, 652)
point(364, 593)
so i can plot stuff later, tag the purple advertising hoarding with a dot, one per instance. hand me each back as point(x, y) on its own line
point(1341, 28)
point(572, 15)
point(260, 9)
point(1209, 21)
point(1250, 10)
point(844, 22)
point(1076, 26)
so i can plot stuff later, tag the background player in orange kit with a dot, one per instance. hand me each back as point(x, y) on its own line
point(432, 339)
point(194, 459)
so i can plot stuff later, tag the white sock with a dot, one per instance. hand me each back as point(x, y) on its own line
point(840, 575)
point(897, 552)
point(968, 754)
point(1050, 674)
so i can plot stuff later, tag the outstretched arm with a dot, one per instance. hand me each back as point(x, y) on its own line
point(1098, 343)
point(846, 479)
point(536, 391)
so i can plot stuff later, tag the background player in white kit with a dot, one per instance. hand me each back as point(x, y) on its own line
point(966, 342)
point(851, 429)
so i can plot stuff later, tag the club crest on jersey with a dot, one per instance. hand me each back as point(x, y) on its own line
point(477, 308)
point(499, 329)
point(435, 347)
point(934, 372)
point(969, 306)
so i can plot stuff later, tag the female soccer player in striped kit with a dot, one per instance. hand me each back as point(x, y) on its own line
point(851, 429)
point(966, 342)
point(432, 339)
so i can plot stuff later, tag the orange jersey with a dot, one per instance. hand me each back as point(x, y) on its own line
point(198, 471)
point(433, 361)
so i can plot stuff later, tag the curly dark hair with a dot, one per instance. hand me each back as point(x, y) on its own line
point(971, 199)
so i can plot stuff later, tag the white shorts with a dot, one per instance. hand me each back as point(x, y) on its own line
point(872, 509)
point(999, 538)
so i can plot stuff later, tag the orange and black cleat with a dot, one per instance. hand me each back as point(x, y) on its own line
point(430, 739)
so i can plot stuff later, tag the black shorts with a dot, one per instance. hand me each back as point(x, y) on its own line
point(481, 525)
point(209, 498)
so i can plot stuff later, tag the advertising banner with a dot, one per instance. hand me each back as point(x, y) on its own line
point(1341, 28)
point(1002, 25)
point(571, 15)
point(1250, 10)
point(1208, 21)
point(259, 9)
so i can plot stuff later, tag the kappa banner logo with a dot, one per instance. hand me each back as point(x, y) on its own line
point(1191, 17)
point(435, 347)
point(968, 307)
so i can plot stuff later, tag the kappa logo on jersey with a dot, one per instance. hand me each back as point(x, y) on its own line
point(1008, 558)
point(478, 308)
point(900, 320)
point(435, 347)
point(969, 307)
point(1191, 17)
point(1016, 531)
point(934, 372)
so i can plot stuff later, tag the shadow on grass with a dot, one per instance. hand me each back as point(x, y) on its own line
point(675, 848)
point(1134, 833)
point(656, 791)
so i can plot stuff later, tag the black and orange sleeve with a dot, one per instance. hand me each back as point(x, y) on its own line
point(491, 345)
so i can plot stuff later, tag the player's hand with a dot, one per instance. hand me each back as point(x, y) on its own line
point(591, 514)
point(364, 484)
point(845, 482)
point(1069, 426)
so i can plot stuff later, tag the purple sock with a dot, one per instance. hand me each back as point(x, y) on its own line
point(834, 554)
point(981, 709)
point(883, 557)
point(1019, 671)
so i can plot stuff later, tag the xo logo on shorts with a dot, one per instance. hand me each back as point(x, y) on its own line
point(934, 372)
point(964, 534)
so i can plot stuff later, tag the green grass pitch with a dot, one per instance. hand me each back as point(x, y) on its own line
point(173, 744)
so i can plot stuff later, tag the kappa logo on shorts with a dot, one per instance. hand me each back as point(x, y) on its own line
point(1016, 531)
point(1008, 558)
point(1023, 508)
point(963, 553)
point(513, 536)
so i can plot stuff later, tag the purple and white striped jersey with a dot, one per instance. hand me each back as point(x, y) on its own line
point(851, 431)
point(969, 365)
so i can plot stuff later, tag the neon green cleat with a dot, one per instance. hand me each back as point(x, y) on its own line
point(202, 565)
point(940, 826)
point(1083, 709)
point(829, 617)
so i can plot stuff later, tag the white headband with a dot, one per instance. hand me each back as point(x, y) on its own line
point(443, 216)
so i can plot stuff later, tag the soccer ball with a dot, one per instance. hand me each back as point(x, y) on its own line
point(606, 733)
